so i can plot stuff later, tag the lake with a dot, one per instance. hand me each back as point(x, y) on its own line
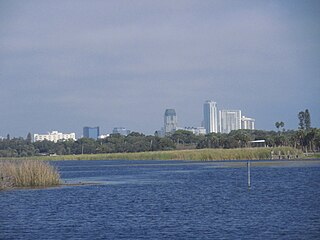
point(168, 200)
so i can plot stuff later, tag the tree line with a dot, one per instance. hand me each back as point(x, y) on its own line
point(137, 142)
point(305, 138)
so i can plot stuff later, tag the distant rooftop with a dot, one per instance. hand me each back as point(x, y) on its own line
point(170, 112)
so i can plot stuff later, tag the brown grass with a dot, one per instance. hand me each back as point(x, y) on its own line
point(27, 173)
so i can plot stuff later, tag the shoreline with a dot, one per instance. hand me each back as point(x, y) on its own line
point(194, 154)
point(50, 187)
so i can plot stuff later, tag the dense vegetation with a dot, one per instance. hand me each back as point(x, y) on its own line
point(27, 174)
point(305, 140)
point(191, 154)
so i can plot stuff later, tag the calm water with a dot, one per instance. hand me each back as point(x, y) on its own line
point(168, 200)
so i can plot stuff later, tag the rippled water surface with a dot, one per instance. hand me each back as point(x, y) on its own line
point(168, 200)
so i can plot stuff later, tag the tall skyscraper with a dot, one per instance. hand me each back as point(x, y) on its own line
point(229, 120)
point(91, 132)
point(170, 121)
point(210, 120)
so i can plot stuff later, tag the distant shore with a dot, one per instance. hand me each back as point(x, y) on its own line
point(194, 154)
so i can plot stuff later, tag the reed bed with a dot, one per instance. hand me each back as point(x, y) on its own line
point(199, 154)
point(194, 154)
point(27, 173)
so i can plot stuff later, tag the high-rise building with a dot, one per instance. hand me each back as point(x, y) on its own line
point(229, 120)
point(210, 113)
point(54, 136)
point(91, 132)
point(247, 123)
point(170, 121)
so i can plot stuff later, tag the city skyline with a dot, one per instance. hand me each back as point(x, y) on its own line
point(216, 123)
point(121, 63)
point(225, 122)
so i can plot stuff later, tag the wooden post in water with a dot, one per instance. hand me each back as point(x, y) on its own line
point(248, 170)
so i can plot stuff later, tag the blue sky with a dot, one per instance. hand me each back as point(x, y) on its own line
point(69, 64)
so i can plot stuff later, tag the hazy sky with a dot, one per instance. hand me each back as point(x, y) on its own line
point(68, 64)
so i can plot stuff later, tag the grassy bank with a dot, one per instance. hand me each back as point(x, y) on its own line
point(195, 154)
point(29, 173)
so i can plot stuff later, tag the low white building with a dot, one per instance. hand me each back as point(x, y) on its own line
point(54, 136)
point(194, 130)
point(103, 136)
point(121, 130)
point(247, 123)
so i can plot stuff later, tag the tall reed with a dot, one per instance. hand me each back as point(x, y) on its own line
point(193, 154)
point(27, 173)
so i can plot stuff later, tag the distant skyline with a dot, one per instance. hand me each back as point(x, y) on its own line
point(69, 64)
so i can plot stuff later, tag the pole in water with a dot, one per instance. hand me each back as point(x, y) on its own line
point(248, 169)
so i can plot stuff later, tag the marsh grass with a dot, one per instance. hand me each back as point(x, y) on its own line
point(199, 154)
point(194, 154)
point(27, 173)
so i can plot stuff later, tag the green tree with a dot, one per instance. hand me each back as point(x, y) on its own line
point(213, 140)
point(305, 125)
point(243, 137)
point(44, 147)
point(183, 137)
point(29, 138)
point(281, 140)
point(88, 145)
point(301, 117)
point(300, 137)
point(307, 120)
point(310, 139)
point(317, 140)
point(166, 144)
point(279, 125)
point(137, 142)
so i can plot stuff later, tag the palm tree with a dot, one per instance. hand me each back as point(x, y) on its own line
point(279, 125)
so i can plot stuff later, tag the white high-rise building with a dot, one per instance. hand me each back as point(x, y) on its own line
point(210, 120)
point(229, 120)
point(54, 136)
point(170, 121)
point(247, 123)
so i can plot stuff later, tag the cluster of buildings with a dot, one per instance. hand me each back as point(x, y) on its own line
point(224, 121)
point(88, 132)
point(214, 121)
